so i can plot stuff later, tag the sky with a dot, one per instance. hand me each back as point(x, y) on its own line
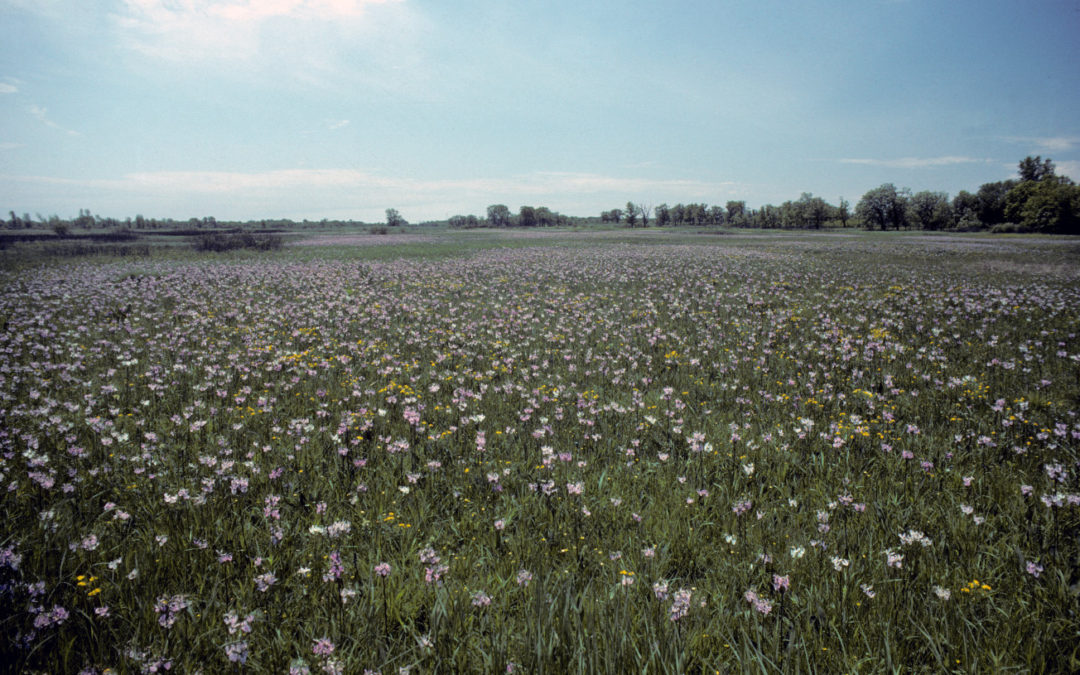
point(341, 109)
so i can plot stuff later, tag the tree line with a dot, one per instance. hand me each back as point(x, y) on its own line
point(1039, 200)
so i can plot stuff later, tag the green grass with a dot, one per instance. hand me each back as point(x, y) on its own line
point(577, 426)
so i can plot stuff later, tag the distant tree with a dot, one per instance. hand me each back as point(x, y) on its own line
point(768, 217)
point(663, 215)
point(631, 214)
point(545, 217)
point(394, 219)
point(527, 216)
point(736, 212)
point(1050, 205)
point(813, 211)
point(991, 198)
point(883, 207)
point(965, 208)
point(85, 220)
point(931, 210)
point(1036, 168)
point(716, 215)
point(644, 210)
point(60, 228)
point(498, 215)
point(843, 213)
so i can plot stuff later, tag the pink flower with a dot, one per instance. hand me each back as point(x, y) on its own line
point(481, 599)
point(323, 647)
point(780, 584)
point(383, 569)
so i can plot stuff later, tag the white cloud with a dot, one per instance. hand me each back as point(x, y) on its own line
point(223, 29)
point(916, 162)
point(6, 88)
point(10, 146)
point(1069, 168)
point(338, 124)
point(1047, 143)
point(41, 114)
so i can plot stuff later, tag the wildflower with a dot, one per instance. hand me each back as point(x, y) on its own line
point(868, 590)
point(660, 590)
point(481, 599)
point(323, 647)
point(383, 569)
point(840, 563)
point(893, 559)
point(524, 576)
point(237, 652)
point(942, 593)
point(781, 584)
point(914, 537)
point(1034, 569)
point(263, 582)
point(168, 609)
point(797, 552)
point(680, 604)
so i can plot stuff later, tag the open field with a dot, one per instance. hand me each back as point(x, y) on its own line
point(545, 452)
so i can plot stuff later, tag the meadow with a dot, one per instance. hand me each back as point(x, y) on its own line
point(555, 452)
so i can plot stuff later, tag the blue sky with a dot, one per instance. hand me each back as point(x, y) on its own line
point(343, 108)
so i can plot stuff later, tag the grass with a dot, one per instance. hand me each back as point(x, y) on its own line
point(575, 452)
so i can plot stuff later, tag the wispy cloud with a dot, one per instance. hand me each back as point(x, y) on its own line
point(1047, 143)
point(338, 124)
point(1070, 169)
point(6, 88)
point(10, 146)
point(201, 29)
point(916, 162)
point(42, 116)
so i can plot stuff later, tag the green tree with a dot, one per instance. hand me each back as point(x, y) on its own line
point(1050, 205)
point(1035, 168)
point(991, 198)
point(644, 210)
point(663, 215)
point(736, 213)
point(498, 215)
point(394, 219)
point(883, 207)
point(931, 210)
point(631, 214)
point(843, 213)
point(545, 217)
point(965, 207)
point(527, 216)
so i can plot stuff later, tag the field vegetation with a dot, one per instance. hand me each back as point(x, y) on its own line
point(617, 451)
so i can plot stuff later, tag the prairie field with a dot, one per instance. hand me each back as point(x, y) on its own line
point(551, 452)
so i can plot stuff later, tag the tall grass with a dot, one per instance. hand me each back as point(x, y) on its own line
point(735, 454)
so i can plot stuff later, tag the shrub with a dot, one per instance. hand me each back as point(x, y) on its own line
point(218, 242)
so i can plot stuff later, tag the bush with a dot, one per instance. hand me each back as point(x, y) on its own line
point(218, 242)
point(1009, 228)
